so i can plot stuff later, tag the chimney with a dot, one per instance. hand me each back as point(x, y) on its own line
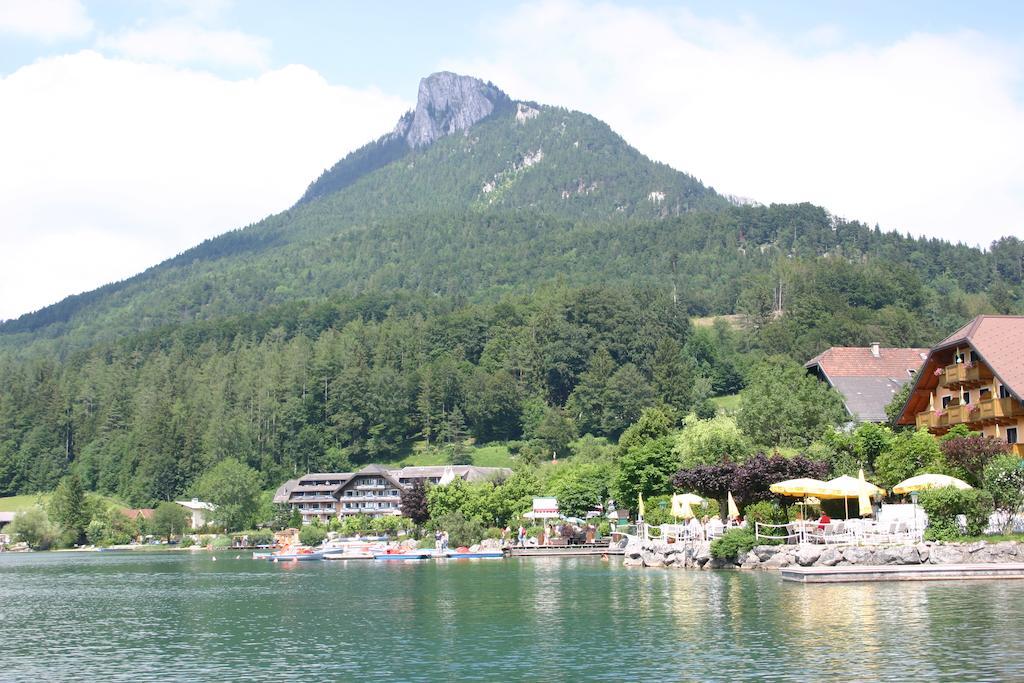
point(875, 350)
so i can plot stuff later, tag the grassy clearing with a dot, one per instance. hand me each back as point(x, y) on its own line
point(24, 502)
point(489, 455)
point(19, 503)
point(727, 405)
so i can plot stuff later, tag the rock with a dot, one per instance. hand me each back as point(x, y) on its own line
point(906, 554)
point(859, 556)
point(946, 554)
point(1008, 548)
point(923, 550)
point(829, 557)
point(751, 561)
point(632, 562)
point(766, 551)
point(808, 555)
point(974, 547)
point(447, 103)
point(778, 560)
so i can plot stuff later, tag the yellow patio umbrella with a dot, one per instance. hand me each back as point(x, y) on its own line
point(685, 511)
point(929, 481)
point(864, 499)
point(847, 487)
point(799, 487)
point(687, 499)
point(734, 512)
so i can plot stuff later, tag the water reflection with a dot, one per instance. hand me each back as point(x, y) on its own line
point(124, 617)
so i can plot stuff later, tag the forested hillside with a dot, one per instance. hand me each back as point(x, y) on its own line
point(529, 278)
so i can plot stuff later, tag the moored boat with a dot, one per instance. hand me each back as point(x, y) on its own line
point(480, 555)
point(412, 555)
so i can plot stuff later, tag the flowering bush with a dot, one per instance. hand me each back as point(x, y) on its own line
point(939, 371)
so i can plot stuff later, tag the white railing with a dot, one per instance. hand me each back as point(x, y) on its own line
point(839, 533)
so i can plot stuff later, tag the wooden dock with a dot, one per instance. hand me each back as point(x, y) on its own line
point(904, 572)
point(563, 550)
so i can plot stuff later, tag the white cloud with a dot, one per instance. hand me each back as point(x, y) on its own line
point(45, 19)
point(183, 42)
point(923, 135)
point(110, 166)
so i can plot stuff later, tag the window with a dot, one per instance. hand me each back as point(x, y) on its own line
point(984, 394)
point(1011, 435)
point(1003, 391)
point(974, 357)
point(965, 398)
point(959, 358)
point(945, 401)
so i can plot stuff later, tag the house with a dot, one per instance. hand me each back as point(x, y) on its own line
point(867, 377)
point(373, 490)
point(5, 519)
point(135, 513)
point(200, 511)
point(974, 377)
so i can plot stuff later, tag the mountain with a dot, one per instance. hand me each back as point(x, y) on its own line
point(466, 155)
point(492, 267)
point(473, 194)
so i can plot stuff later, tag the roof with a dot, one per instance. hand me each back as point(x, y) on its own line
point(196, 504)
point(471, 473)
point(858, 361)
point(317, 476)
point(997, 339)
point(867, 382)
point(284, 490)
point(135, 513)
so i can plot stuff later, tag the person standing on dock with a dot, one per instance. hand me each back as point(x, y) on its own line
point(522, 536)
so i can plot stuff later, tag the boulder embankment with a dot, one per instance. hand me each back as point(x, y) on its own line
point(698, 555)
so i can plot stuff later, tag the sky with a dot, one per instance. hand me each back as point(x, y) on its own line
point(131, 131)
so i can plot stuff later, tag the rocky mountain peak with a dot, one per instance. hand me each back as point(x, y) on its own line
point(447, 103)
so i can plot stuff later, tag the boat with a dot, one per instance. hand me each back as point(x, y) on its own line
point(396, 556)
point(301, 554)
point(479, 555)
point(350, 555)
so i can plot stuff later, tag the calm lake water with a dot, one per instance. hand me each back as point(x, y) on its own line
point(106, 616)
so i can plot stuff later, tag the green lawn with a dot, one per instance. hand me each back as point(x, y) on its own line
point(727, 404)
point(19, 503)
point(489, 455)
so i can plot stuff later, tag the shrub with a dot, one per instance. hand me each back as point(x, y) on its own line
point(220, 542)
point(733, 545)
point(1004, 479)
point(261, 537)
point(312, 534)
point(33, 526)
point(943, 505)
point(657, 514)
point(765, 512)
point(187, 542)
point(604, 528)
point(709, 508)
point(461, 531)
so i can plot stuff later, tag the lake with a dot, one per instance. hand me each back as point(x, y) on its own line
point(145, 616)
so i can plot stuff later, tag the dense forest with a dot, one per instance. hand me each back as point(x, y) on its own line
point(529, 281)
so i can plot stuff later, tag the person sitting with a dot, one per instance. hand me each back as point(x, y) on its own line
point(823, 521)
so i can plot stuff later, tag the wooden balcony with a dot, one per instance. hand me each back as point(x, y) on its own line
point(1005, 411)
point(998, 410)
point(966, 375)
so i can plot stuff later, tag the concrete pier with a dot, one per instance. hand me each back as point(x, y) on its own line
point(918, 572)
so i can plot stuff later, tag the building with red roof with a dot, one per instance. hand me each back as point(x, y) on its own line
point(974, 377)
point(867, 377)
